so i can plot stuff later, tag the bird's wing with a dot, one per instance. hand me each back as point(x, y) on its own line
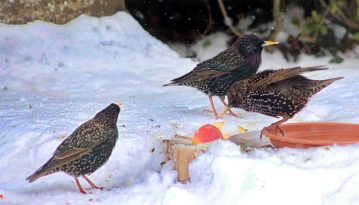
point(255, 81)
point(224, 63)
point(82, 141)
point(197, 75)
point(88, 136)
point(283, 74)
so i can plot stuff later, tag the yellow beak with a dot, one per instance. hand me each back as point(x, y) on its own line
point(119, 104)
point(269, 43)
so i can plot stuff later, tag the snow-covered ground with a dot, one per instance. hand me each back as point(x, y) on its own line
point(53, 78)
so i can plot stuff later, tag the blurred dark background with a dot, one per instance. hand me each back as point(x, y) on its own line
point(321, 27)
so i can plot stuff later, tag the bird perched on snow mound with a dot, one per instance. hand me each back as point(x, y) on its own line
point(214, 76)
point(86, 149)
point(276, 93)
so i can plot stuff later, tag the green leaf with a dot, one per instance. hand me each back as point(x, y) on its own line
point(334, 7)
point(323, 30)
point(356, 36)
point(340, 3)
point(319, 54)
point(336, 59)
point(207, 43)
point(357, 14)
point(315, 15)
point(296, 22)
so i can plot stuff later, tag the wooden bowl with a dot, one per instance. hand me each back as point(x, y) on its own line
point(314, 134)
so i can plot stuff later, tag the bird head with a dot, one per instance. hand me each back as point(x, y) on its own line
point(109, 114)
point(250, 44)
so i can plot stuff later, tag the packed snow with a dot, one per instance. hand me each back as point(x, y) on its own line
point(53, 78)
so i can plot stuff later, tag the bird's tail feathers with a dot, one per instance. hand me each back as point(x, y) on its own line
point(183, 79)
point(44, 170)
point(321, 84)
point(330, 81)
point(36, 175)
point(170, 84)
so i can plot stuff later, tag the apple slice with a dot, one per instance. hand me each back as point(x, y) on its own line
point(207, 133)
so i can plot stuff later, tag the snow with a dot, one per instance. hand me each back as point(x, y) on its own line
point(53, 78)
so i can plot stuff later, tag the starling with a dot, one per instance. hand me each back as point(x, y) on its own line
point(214, 76)
point(276, 93)
point(86, 149)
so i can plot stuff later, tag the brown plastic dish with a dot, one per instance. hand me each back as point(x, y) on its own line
point(314, 134)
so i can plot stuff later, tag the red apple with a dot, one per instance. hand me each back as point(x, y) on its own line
point(206, 133)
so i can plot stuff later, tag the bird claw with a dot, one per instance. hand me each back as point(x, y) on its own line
point(228, 111)
point(207, 110)
point(261, 136)
point(281, 131)
point(100, 188)
point(231, 113)
point(215, 114)
point(83, 192)
point(93, 186)
point(274, 129)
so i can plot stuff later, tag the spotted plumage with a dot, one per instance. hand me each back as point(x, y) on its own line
point(214, 76)
point(86, 149)
point(280, 93)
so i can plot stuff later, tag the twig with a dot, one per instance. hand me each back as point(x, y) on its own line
point(228, 20)
point(321, 23)
point(313, 39)
point(278, 23)
point(277, 19)
point(210, 20)
point(340, 16)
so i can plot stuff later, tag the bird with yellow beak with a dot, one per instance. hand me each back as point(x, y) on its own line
point(216, 75)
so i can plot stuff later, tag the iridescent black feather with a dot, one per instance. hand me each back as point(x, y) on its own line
point(214, 76)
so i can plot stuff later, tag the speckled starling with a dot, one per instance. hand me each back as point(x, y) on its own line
point(214, 76)
point(86, 149)
point(276, 93)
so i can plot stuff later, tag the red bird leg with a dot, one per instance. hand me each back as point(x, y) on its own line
point(275, 126)
point(82, 191)
point(91, 183)
point(230, 112)
point(213, 108)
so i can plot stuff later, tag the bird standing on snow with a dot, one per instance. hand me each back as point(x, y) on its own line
point(86, 149)
point(276, 93)
point(214, 76)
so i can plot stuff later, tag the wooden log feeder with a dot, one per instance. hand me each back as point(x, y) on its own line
point(181, 150)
